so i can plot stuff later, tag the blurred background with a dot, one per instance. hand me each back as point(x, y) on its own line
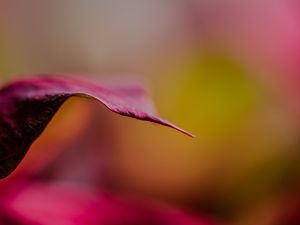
point(227, 71)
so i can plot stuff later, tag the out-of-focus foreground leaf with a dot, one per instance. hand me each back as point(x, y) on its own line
point(28, 105)
point(29, 202)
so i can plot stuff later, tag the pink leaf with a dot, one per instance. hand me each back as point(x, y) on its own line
point(33, 202)
point(27, 106)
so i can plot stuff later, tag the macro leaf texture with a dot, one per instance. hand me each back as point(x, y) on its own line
point(27, 105)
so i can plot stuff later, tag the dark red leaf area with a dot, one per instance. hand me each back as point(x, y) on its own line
point(28, 105)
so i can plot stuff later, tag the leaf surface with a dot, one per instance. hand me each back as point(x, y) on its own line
point(27, 106)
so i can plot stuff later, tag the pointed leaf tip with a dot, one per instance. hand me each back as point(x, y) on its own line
point(27, 105)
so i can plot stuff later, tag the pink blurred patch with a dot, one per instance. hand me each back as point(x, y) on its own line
point(68, 204)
